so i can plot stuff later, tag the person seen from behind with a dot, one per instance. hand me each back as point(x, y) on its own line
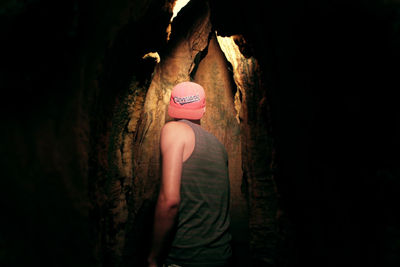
point(191, 222)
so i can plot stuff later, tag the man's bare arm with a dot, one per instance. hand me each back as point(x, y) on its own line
point(172, 147)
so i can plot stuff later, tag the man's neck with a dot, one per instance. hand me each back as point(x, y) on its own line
point(193, 121)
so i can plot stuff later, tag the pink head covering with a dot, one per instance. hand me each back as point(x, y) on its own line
point(187, 101)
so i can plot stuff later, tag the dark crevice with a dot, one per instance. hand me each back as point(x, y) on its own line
point(199, 57)
point(231, 77)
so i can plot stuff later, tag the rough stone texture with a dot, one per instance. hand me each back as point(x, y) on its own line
point(121, 86)
point(259, 165)
point(120, 172)
point(180, 62)
point(192, 53)
point(220, 119)
point(258, 159)
point(175, 66)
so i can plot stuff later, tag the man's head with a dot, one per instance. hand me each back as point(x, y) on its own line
point(187, 101)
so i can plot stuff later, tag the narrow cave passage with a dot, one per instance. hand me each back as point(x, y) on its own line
point(312, 107)
point(232, 83)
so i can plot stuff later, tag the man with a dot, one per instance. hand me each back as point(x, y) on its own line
point(191, 225)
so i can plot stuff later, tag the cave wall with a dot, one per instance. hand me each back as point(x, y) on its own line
point(220, 119)
point(191, 54)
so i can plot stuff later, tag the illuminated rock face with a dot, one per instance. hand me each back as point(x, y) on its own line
point(175, 66)
point(180, 63)
point(106, 150)
point(220, 119)
point(135, 149)
point(236, 113)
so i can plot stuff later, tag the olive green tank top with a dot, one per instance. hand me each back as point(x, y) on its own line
point(202, 236)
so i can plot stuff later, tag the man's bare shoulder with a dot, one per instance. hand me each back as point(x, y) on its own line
point(175, 132)
point(176, 127)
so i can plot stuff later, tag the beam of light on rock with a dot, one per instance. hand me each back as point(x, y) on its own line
point(179, 4)
point(154, 55)
point(233, 55)
point(230, 50)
